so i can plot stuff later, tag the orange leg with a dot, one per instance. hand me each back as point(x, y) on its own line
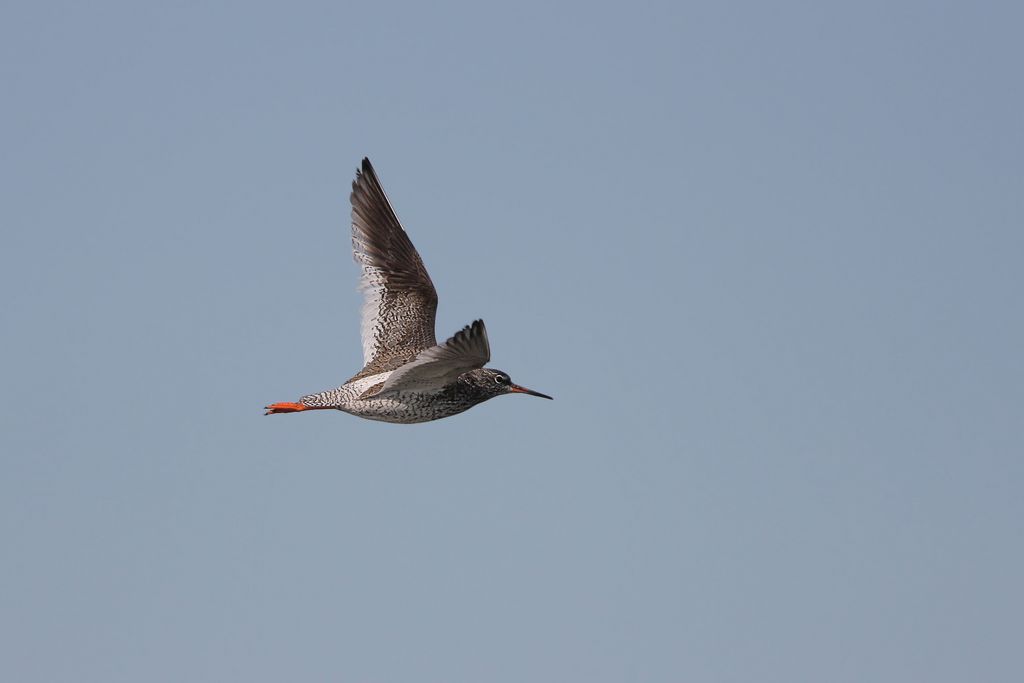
point(275, 408)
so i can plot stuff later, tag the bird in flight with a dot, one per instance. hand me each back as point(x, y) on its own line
point(407, 377)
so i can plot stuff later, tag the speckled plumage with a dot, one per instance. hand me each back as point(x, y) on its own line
point(407, 376)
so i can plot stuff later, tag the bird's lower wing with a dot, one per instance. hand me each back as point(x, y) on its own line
point(440, 365)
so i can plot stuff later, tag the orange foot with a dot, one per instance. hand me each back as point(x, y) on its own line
point(275, 408)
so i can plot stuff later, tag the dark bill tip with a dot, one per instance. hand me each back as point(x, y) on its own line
point(515, 388)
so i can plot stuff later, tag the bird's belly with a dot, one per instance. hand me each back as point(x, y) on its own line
point(405, 408)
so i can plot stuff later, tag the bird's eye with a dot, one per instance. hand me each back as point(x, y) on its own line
point(500, 379)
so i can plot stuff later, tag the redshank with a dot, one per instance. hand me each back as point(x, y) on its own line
point(407, 377)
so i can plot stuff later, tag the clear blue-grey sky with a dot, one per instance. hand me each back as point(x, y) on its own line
point(766, 256)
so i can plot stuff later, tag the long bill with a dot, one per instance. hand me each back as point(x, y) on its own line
point(516, 389)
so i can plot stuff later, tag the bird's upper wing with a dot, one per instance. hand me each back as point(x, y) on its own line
point(439, 365)
point(400, 301)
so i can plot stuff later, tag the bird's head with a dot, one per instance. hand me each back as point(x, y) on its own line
point(491, 382)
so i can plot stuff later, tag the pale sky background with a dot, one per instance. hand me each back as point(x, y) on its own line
point(766, 256)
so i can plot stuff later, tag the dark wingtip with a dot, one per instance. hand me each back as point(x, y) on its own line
point(364, 171)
